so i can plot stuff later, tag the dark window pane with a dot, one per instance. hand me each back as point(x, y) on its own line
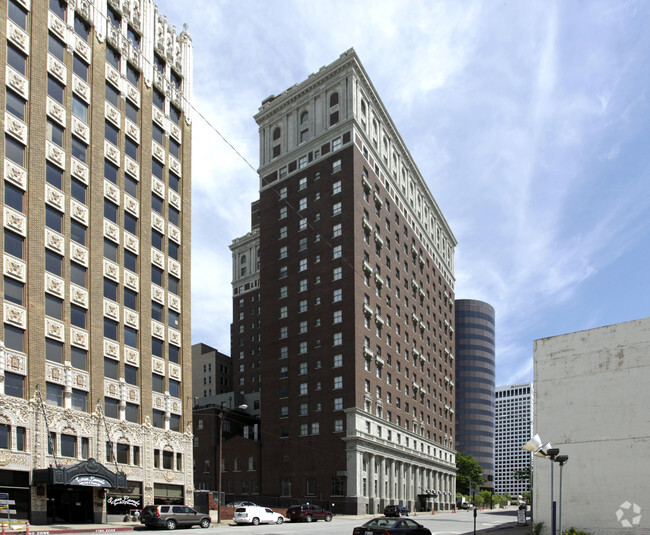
point(174, 148)
point(110, 171)
point(112, 95)
point(110, 329)
point(158, 419)
point(131, 375)
point(174, 388)
point(156, 239)
point(111, 408)
point(113, 57)
point(53, 351)
point(15, 151)
point(174, 181)
point(132, 74)
point(110, 250)
point(14, 338)
point(55, 133)
point(16, 59)
point(68, 446)
point(14, 291)
point(53, 262)
point(156, 204)
point(110, 289)
point(58, 7)
point(173, 353)
point(157, 347)
point(78, 274)
point(110, 368)
point(15, 104)
point(81, 28)
point(113, 18)
point(78, 190)
point(110, 211)
point(78, 232)
point(17, 14)
point(131, 148)
point(130, 299)
point(111, 133)
point(54, 175)
point(21, 434)
point(80, 68)
point(54, 395)
point(130, 336)
point(174, 114)
point(54, 307)
point(130, 260)
point(14, 244)
point(56, 47)
point(14, 197)
point(172, 249)
point(55, 89)
point(156, 275)
point(156, 311)
point(174, 215)
point(80, 402)
point(79, 149)
point(157, 383)
point(79, 108)
point(131, 415)
point(53, 219)
point(131, 111)
point(130, 223)
point(157, 169)
point(157, 133)
point(78, 357)
point(5, 436)
point(131, 186)
point(173, 318)
point(78, 316)
point(172, 284)
point(158, 100)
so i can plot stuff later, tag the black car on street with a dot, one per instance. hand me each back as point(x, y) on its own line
point(396, 510)
point(394, 526)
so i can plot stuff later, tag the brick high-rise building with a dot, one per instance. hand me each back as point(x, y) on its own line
point(346, 323)
point(96, 259)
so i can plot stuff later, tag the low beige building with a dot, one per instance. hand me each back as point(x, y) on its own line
point(591, 402)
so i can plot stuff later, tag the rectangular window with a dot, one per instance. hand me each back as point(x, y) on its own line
point(112, 95)
point(16, 59)
point(14, 384)
point(14, 291)
point(79, 108)
point(56, 47)
point(14, 339)
point(113, 57)
point(80, 68)
point(111, 133)
point(111, 408)
point(78, 190)
point(14, 151)
point(15, 104)
point(78, 358)
point(17, 14)
point(54, 395)
point(14, 244)
point(336, 208)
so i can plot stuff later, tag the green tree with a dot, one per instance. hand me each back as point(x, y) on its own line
point(469, 475)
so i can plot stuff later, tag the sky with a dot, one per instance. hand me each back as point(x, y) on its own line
point(528, 120)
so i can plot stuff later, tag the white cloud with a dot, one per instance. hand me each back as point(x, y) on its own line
point(526, 119)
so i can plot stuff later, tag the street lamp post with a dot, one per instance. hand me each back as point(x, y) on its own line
point(561, 460)
point(534, 445)
point(552, 453)
point(221, 416)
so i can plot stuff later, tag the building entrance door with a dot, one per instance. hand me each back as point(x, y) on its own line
point(73, 505)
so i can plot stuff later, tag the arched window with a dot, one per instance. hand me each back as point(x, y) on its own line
point(242, 259)
point(277, 143)
point(334, 108)
point(363, 108)
point(304, 129)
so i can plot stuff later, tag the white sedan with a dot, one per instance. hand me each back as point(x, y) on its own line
point(257, 515)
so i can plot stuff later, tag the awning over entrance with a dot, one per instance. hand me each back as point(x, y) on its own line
point(88, 473)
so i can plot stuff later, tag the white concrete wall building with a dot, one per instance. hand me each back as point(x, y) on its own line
point(591, 401)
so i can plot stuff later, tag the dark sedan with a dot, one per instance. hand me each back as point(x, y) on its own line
point(394, 526)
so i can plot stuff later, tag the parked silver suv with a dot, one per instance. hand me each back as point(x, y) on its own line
point(172, 516)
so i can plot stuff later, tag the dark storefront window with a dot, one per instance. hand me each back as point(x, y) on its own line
point(126, 500)
point(167, 494)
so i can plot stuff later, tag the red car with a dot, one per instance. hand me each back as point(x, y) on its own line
point(308, 513)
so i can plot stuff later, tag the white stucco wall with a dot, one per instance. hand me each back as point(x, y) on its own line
point(592, 401)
